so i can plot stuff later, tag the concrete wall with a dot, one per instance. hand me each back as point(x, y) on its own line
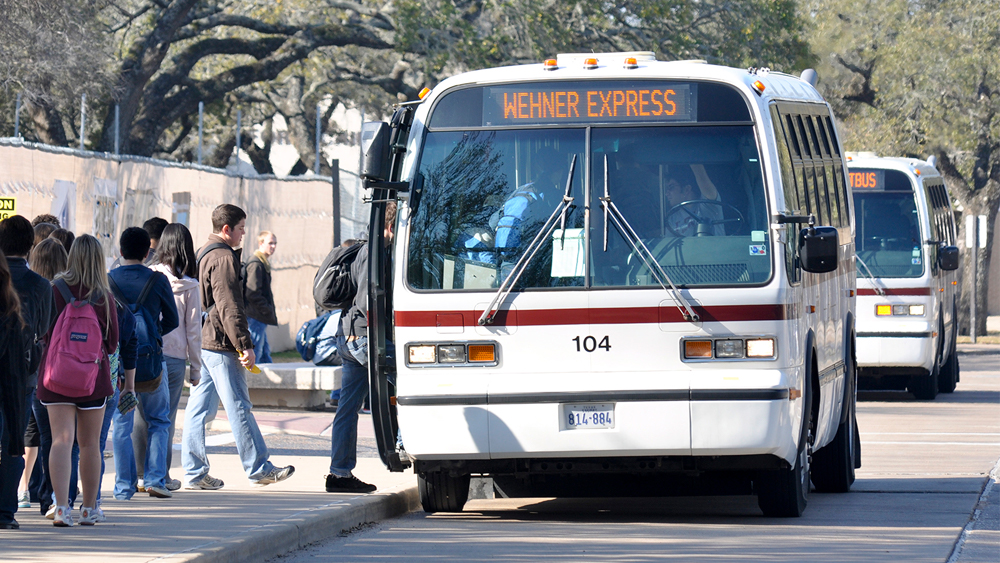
point(101, 195)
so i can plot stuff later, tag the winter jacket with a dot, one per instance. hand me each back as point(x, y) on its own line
point(259, 298)
point(13, 375)
point(185, 341)
point(225, 328)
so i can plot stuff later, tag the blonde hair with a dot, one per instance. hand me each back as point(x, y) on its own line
point(48, 258)
point(85, 267)
point(262, 236)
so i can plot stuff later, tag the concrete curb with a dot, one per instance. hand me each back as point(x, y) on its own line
point(301, 529)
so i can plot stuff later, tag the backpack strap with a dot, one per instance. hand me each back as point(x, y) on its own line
point(63, 288)
point(119, 296)
point(209, 248)
point(146, 289)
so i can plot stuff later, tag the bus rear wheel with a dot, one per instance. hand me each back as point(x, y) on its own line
point(948, 379)
point(442, 492)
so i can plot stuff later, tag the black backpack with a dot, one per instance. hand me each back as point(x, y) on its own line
point(333, 286)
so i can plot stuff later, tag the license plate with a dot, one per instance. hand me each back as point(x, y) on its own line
point(589, 416)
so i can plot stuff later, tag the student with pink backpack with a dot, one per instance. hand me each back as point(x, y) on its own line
point(75, 373)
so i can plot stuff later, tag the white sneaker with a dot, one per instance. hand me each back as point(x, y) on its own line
point(89, 516)
point(275, 475)
point(207, 483)
point(62, 517)
point(51, 513)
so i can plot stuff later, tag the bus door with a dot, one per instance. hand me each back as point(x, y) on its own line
point(384, 146)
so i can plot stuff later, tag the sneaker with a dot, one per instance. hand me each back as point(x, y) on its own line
point(173, 484)
point(51, 512)
point(350, 484)
point(140, 487)
point(100, 515)
point(276, 474)
point(24, 500)
point(207, 483)
point(88, 516)
point(12, 525)
point(62, 516)
point(159, 492)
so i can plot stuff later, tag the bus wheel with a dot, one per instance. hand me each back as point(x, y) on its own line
point(442, 492)
point(948, 379)
point(833, 465)
point(783, 493)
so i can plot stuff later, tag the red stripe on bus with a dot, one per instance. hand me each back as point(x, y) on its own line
point(618, 315)
point(898, 291)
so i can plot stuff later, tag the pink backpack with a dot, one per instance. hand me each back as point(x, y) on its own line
point(76, 350)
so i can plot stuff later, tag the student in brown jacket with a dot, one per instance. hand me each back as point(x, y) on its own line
point(226, 349)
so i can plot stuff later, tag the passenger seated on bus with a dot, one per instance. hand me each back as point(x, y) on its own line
point(528, 206)
point(690, 183)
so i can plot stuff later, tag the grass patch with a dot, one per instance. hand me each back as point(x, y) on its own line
point(285, 357)
point(988, 339)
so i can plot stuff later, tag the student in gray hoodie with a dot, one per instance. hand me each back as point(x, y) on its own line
point(175, 259)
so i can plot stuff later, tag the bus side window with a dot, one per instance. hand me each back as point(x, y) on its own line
point(845, 199)
point(788, 186)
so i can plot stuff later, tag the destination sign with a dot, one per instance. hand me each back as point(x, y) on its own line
point(867, 179)
point(612, 102)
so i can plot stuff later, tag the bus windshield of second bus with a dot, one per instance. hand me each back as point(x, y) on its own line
point(694, 196)
point(888, 229)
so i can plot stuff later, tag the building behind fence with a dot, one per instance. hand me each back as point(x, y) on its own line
point(101, 194)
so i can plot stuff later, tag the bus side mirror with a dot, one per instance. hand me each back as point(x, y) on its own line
point(375, 150)
point(818, 248)
point(948, 257)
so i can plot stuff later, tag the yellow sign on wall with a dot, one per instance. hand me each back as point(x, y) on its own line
point(8, 207)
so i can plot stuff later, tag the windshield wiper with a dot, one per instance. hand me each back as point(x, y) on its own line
point(629, 234)
point(868, 274)
point(561, 211)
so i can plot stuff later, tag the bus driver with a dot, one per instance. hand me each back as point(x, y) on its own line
point(684, 187)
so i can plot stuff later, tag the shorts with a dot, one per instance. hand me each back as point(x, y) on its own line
point(32, 439)
point(84, 406)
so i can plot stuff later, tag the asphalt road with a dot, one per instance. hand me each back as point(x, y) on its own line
point(917, 499)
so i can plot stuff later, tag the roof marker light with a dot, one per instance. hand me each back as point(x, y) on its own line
point(759, 86)
point(630, 63)
point(551, 64)
point(590, 64)
point(423, 93)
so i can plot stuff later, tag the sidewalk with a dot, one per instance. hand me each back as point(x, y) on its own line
point(239, 523)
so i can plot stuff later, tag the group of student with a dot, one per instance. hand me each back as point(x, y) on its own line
point(160, 307)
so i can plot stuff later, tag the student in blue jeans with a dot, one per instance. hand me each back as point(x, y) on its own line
point(226, 352)
point(352, 343)
point(154, 395)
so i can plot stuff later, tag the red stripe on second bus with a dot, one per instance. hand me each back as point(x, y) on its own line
point(618, 315)
point(897, 291)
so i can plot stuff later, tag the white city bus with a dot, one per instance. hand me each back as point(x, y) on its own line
point(615, 276)
point(907, 262)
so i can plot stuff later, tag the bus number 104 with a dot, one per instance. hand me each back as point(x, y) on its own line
point(590, 344)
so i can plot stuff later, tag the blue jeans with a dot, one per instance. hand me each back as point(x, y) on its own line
point(222, 378)
point(174, 372)
point(155, 407)
point(258, 334)
point(353, 390)
point(110, 408)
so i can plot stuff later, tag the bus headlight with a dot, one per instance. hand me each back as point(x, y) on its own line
point(760, 348)
point(731, 348)
point(422, 354)
point(899, 310)
point(451, 353)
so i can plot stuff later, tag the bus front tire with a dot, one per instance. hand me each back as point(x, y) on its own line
point(948, 379)
point(783, 493)
point(442, 492)
point(833, 465)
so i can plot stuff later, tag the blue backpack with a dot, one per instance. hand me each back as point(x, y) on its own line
point(316, 340)
point(149, 363)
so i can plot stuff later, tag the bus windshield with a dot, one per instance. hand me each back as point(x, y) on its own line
point(888, 234)
point(692, 195)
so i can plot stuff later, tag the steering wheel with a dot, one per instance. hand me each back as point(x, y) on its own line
point(705, 225)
